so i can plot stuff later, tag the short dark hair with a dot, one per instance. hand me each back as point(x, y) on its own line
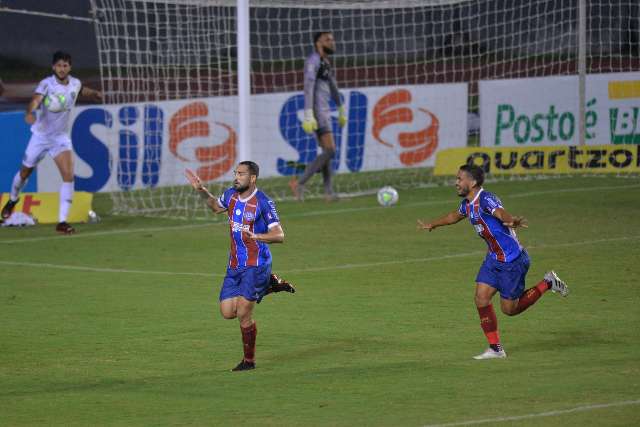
point(254, 169)
point(319, 34)
point(61, 55)
point(475, 171)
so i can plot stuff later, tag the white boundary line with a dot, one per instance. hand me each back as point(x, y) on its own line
point(302, 270)
point(539, 414)
point(312, 213)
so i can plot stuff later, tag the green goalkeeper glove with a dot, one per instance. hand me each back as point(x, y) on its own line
point(309, 125)
point(342, 116)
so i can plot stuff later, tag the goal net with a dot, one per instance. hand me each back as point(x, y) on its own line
point(409, 74)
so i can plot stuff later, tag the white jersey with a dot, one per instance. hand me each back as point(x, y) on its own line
point(49, 123)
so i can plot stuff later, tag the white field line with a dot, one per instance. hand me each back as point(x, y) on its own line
point(302, 270)
point(583, 408)
point(451, 202)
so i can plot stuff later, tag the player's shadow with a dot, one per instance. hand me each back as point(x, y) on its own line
point(564, 339)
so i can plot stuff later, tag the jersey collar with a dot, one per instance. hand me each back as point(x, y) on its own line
point(248, 197)
point(477, 195)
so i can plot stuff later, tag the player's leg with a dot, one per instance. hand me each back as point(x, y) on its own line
point(486, 288)
point(249, 331)
point(36, 149)
point(229, 308)
point(277, 284)
point(516, 300)
point(64, 161)
point(488, 321)
point(229, 294)
point(326, 142)
point(254, 282)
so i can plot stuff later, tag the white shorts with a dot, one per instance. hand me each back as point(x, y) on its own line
point(39, 145)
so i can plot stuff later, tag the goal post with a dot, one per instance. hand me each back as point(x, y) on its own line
point(205, 84)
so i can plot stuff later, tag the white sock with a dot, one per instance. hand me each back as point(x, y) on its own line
point(16, 186)
point(66, 195)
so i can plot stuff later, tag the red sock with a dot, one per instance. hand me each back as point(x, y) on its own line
point(249, 342)
point(531, 295)
point(489, 324)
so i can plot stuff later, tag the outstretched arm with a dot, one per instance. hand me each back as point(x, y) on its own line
point(274, 235)
point(209, 198)
point(510, 220)
point(96, 95)
point(36, 99)
point(448, 219)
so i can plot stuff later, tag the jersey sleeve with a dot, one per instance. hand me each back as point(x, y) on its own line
point(42, 88)
point(490, 202)
point(462, 209)
point(223, 200)
point(311, 66)
point(269, 212)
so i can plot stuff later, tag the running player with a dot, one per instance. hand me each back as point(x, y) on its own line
point(507, 262)
point(253, 223)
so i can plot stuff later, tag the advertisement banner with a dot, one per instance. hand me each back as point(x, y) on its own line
point(44, 206)
point(145, 145)
point(544, 111)
point(610, 158)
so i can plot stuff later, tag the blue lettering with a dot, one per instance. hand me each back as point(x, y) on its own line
point(128, 149)
point(90, 149)
point(357, 126)
point(153, 126)
point(291, 131)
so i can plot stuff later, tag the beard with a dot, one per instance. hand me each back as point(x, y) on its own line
point(240, 188)
point(60, 77)
point(328, 50)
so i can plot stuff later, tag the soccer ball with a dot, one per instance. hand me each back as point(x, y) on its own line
point(387, 196)
point(55, 103)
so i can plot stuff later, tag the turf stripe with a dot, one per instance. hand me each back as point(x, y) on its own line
point(334, 211)
point(304, 270)
point(584, 408)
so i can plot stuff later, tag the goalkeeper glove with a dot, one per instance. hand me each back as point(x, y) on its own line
point(309, 125)
point(342, 116)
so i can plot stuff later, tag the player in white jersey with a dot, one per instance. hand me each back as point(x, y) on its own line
point(51, 134)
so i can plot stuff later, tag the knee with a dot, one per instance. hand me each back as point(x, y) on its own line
point(481, 301)
point(228, 313)
point(509, 310)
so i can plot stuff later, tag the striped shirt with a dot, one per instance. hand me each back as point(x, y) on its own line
point(256, 213)
point(501, 240)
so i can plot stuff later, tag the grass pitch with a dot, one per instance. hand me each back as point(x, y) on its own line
point(118, 325)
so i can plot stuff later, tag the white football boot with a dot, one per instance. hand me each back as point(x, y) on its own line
point(557, 285)
point(491, 354)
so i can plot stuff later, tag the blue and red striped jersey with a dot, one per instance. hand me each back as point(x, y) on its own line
point(502, 241)
point(256, 213)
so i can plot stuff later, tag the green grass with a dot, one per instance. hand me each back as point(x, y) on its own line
point(380, 333)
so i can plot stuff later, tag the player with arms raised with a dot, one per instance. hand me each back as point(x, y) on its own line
point(507, 262)
point(50, 134)
point(319, 88)
point(253, 223)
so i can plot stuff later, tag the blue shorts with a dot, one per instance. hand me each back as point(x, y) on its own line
point(506, 277)
point(249, 282)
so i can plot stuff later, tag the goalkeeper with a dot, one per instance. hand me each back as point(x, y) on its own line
point(319, 86)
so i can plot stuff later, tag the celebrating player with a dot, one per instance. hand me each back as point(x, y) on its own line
point(319, 86)
point(50, 134)
point(253, 222)
point(507, 262)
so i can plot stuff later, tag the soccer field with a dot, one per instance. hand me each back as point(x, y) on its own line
point(118, 325)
